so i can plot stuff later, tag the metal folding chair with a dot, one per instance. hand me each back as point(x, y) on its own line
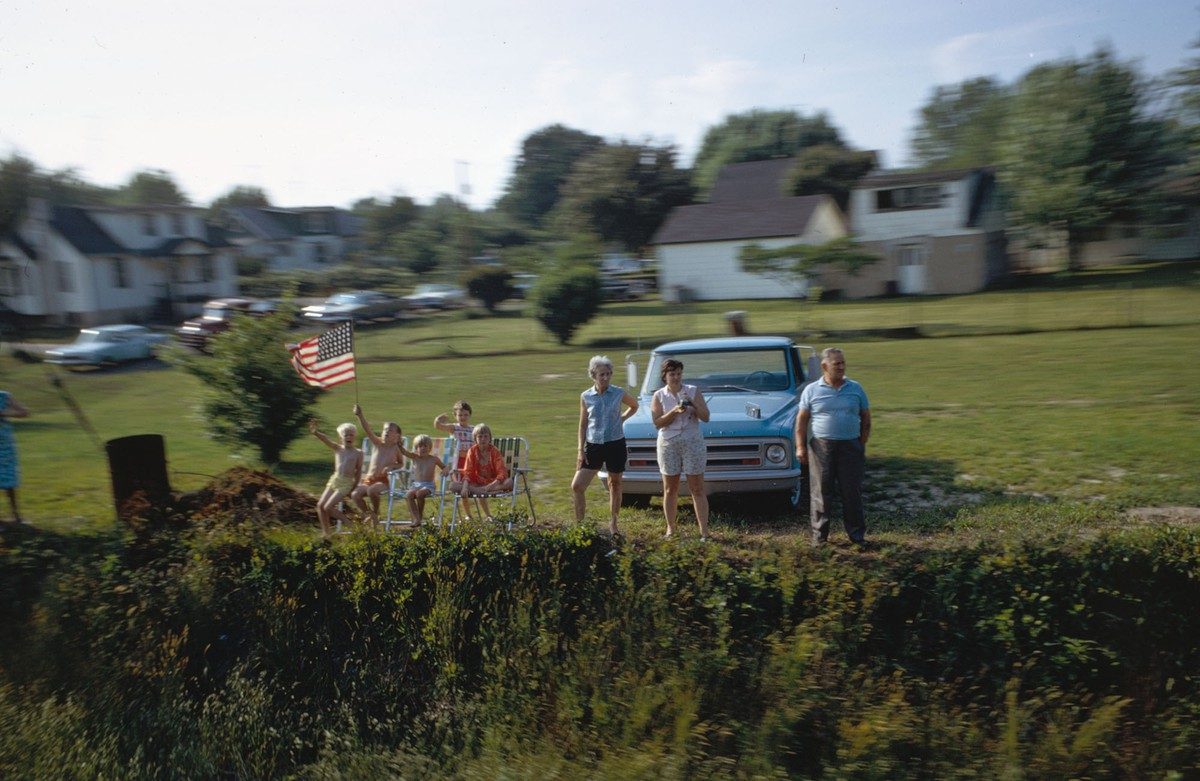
point(401, 481)
point(515, 452)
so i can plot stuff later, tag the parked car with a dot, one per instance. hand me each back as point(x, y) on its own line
point(752, 385)
point(620, 289)
point(216, 317)
point(355, 305)
point(108, 344)
point(436, 297)
point(522, 283)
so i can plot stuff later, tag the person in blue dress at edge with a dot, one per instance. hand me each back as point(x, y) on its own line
point(601, 437)
point(10, 474)
point(840, 415)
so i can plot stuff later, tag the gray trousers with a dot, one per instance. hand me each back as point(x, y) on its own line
point(841, 461)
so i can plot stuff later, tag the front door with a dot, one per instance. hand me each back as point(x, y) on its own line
point(910, 273)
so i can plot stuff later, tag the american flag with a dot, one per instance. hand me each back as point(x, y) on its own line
point(328, 359)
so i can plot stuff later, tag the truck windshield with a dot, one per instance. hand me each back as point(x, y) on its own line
point(727, 371)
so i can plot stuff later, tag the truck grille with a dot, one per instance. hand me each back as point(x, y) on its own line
point(724, 455)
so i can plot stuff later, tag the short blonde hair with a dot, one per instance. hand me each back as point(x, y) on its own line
point(598, 361)
point(347, 427)
point(481, 428)
point(422, 439)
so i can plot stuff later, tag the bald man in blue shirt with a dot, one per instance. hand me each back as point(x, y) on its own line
point(840, 415)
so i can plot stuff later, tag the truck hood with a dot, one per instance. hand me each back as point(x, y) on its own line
point(728, 416)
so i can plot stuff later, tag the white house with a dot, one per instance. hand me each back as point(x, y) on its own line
point(288, 239)
point(698, 246)
point(89, 265)
point(935, 232)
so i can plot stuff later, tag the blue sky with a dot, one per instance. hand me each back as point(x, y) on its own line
point(324, 103)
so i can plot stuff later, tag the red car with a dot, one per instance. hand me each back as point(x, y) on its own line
point(216, 317)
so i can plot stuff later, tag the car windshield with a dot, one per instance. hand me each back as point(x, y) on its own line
point(424, 290)
point(727, 371)
point(345, 298)
point(216, 313)
point(87, 337)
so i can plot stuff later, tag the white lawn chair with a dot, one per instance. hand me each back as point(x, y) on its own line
point(515, 452)
point(401, 480)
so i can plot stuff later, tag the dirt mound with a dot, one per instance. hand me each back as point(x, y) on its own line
point(247, 495)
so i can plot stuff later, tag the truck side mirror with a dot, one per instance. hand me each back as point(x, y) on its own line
point(631, 375)
point(814, 367)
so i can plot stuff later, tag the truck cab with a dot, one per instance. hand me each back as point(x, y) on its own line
point(752, 385)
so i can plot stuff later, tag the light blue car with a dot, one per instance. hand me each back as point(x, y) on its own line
point(108, 344)
point(752, 385)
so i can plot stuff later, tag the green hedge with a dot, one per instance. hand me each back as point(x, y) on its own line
point(224, 652)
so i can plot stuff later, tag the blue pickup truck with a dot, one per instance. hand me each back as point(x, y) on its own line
point(752, 385)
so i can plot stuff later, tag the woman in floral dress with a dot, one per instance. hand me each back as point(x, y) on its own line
point(10, 475)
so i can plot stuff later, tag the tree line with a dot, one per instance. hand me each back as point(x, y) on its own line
point(1077, 144)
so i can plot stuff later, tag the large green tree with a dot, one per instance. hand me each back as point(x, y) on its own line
point(547, 157)
point(252, 397)
point(238, 195)
point(829, 170)
point(385, 220)
point(151, 186)
point(621, 193)
point(1079, 151)
point(759, 135)
point(18, 183)
point(960, 125)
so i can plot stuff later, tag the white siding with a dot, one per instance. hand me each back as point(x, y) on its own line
point(710, 270)
point(945, 220)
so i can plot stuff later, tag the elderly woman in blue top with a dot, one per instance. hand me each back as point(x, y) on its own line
point(840, 415)
point(602, 437)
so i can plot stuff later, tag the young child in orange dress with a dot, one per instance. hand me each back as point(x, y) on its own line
point(484, 471)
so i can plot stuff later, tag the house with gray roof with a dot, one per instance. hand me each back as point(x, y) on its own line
point(936, 232)
point(298, 238)
point(91, 265)
point(698, 246)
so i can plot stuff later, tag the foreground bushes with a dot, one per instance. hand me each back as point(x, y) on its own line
point(220, 652)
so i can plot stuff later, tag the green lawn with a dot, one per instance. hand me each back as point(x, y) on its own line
point(1083, 391)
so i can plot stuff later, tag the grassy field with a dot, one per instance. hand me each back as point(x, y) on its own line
point(1077, 389)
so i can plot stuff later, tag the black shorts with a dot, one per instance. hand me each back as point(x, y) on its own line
point(610, 456)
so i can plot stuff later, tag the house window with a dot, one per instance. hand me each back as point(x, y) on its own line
point(148, 225)
point(177, 224)
point(207, 270)
point(66, 279)
point(177, 271)
point(912, 255)
point(319, 253)
point(120, 273)
point(924, 197)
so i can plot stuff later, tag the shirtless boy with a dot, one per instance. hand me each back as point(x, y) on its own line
point(423, 464)
point(347, 469)
point(385, 457)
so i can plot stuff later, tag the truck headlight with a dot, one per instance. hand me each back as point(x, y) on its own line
point(776, 454)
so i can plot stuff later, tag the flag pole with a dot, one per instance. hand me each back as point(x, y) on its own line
point(353, 338)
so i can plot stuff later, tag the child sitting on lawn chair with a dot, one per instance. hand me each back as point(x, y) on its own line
point(484, 472)
point(422, 486)
point(385, 457)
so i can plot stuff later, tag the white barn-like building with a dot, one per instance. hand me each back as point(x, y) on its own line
point(698, 246)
